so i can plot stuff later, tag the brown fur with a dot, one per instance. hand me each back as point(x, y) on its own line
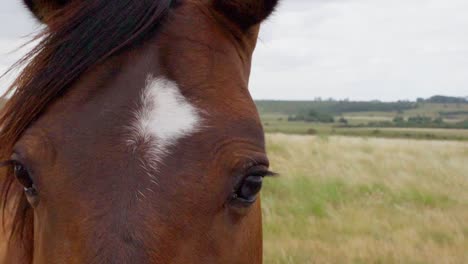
point(71, 130)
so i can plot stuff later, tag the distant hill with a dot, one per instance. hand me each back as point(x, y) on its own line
point(403, 119)
point(331, 107)
point(441, 99)
point(335, 107)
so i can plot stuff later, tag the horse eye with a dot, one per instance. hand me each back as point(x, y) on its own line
point(23, 177)
point(248, 191)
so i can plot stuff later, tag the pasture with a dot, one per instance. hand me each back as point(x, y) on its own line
point(367, 119)
point(365, 200)
point(278, 123)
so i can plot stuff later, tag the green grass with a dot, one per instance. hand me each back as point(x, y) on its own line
point(358, 200)
point(424, 109)
point(278, 123)
point(431, 109)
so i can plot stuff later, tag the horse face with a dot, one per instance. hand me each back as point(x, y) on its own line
point(155, 155)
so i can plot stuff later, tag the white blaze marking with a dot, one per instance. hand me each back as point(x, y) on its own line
point(165, 116)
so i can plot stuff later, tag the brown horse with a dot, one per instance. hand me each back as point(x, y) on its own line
point(131, 136)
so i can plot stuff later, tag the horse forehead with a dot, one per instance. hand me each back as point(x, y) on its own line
point(165, 113)
point(164, 116)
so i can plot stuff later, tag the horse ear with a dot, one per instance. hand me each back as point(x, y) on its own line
point(42, 9)
point(246, 13)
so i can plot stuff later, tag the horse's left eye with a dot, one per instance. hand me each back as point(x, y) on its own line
point(24, 178)
point(22, 175)
point(249, 189)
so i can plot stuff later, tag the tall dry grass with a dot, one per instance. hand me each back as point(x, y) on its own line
point(357, 200)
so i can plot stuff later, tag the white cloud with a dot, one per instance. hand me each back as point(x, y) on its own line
point(363, 49)
point(15, 26)
point(358, 49)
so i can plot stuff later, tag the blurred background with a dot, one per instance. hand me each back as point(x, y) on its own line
point(365, 105)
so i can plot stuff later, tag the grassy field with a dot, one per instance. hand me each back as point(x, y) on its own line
point(359, 200)
point(426, 109)
point(278, 123)
point(274, 115)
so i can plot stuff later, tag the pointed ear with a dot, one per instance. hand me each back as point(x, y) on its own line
point(42, 9)
point(246, 13)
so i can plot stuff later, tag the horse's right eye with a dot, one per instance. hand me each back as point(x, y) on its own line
point(24, 178)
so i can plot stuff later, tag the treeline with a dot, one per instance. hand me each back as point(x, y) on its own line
point(415, 122)
point(440, 99)
point(338, 107)
point(313, 116)
point(331, 107)
point(419, 121)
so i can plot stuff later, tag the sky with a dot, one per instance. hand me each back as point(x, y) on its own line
point(342, 49)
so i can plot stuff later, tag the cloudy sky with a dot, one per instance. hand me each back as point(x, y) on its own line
point(356, 49)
